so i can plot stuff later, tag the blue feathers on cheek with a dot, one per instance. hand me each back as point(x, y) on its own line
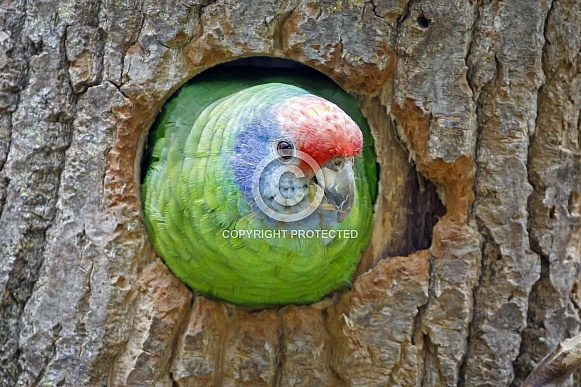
point(252, 146)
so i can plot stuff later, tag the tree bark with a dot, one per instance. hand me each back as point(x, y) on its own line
point(478, 101)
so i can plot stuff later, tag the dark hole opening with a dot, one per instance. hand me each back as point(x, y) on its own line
point(424, 204)
point(427, 209)
point(423, 21)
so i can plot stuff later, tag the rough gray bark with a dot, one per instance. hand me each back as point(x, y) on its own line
point(480, 99)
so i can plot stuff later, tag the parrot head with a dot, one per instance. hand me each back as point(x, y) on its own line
point(297, 163)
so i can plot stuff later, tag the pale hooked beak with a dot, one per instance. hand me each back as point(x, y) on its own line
point(339, 187)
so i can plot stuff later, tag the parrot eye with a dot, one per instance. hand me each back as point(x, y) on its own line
point(285, 149)
point(337, 162)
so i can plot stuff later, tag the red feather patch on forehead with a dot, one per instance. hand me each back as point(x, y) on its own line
point(320, 128)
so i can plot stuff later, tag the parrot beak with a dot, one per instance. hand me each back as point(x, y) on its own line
point(339, 188)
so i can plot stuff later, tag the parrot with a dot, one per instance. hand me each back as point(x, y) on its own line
point(258, 186)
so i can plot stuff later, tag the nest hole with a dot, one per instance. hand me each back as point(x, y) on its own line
point(423, 21)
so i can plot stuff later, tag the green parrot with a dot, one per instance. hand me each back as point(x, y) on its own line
point(258, 189)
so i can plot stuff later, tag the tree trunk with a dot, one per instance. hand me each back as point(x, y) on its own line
point(478, 101)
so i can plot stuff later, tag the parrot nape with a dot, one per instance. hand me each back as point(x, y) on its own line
point(224, 216)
